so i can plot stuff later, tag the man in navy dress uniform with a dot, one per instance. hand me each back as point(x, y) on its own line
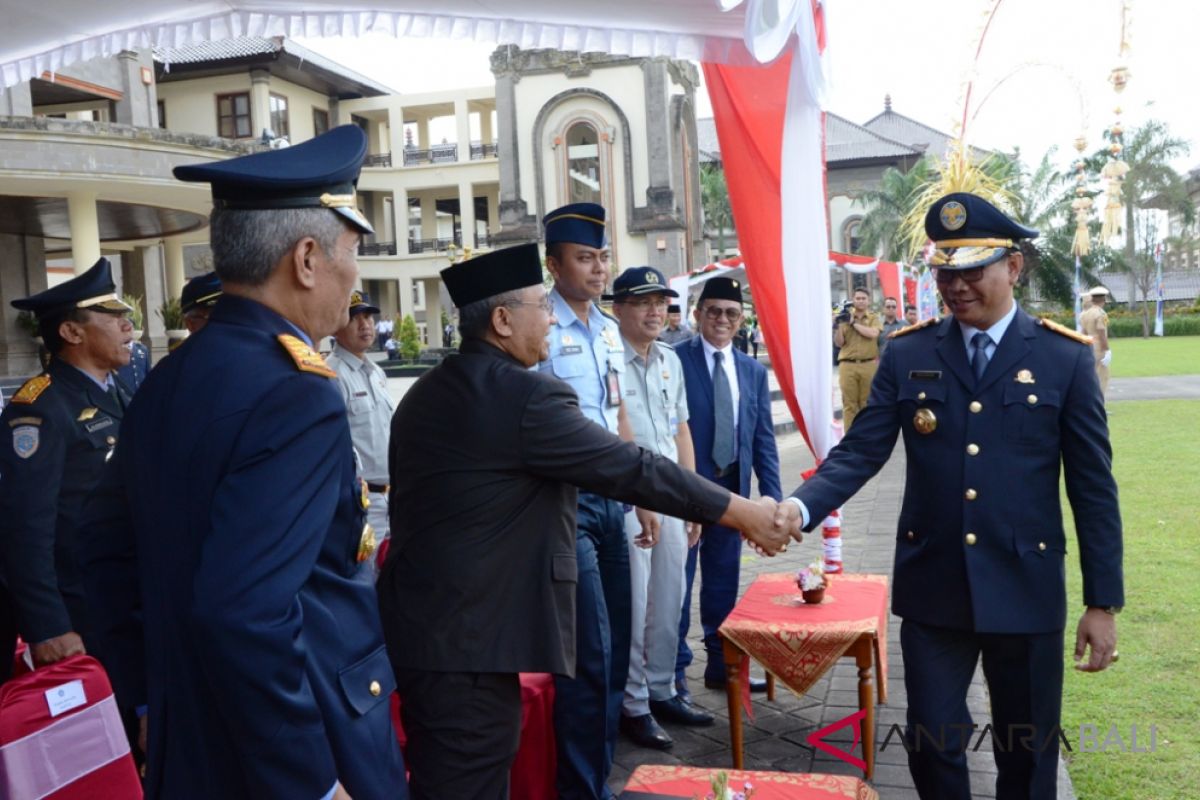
point(197, 300)
point(62, 426)
point(990, 402)
point(265, 670)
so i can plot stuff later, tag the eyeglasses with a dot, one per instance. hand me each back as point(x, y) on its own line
point(945, 277)
point(544, 304)
point(714, 313)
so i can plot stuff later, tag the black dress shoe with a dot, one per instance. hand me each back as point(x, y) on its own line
point(646, 732)
point(757, 685)
point(679, 710)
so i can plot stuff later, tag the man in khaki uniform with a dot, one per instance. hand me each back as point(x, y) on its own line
point(1094, 322)
point(857, 334)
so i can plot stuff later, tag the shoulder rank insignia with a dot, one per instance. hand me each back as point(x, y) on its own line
point(307, 359)
point(1063, 330)
point(32, 389)
point(909, 329)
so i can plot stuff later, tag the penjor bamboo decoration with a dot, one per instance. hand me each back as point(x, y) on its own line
point(1081, 205)
point(1115, 169)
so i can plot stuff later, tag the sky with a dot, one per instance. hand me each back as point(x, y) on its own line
point(1040, 81)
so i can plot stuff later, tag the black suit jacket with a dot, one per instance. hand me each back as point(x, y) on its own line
point(980, 542)
point(485, 457)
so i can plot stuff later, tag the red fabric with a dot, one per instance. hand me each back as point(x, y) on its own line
point(23, 711)
point(533, 771)
point(889, 280)
point(697, 782)
point(748, 107)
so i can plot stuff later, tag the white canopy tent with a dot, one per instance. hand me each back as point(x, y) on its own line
point(39, 38)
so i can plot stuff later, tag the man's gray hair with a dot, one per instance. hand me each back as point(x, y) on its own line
point(247, 244)
point(475, 319)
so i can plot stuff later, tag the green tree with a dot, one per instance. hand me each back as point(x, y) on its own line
point(718, 212)
point(887, 206)
point(410, 339)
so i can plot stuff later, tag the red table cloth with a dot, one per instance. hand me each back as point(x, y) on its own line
point(692, 782)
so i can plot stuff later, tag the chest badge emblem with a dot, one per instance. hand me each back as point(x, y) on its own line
point(366, 543)
point(925, 421)
point(1025, 376)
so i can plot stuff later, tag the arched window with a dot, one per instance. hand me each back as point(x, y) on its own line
point(850, 237)
point(583, 176)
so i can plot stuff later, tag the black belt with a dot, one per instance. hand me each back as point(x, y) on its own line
point(854, 360)
point(378, 488)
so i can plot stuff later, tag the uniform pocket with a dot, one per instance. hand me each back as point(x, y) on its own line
point(368, 682)
point(1030, 414)
point(564, 567)
point(568, 366)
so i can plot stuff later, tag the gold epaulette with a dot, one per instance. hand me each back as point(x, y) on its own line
point(1063, 330)
point(909, 329)
point(32, 389)
point(307, 359)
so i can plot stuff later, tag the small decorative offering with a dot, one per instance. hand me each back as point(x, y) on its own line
point(812, 583)
point(721, 790)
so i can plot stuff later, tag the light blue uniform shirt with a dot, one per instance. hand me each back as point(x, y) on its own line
point(584, 357)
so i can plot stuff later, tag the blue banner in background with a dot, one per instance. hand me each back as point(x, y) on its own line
point(1158, 280)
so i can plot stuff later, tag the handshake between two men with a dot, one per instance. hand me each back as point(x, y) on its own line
point(769, 526)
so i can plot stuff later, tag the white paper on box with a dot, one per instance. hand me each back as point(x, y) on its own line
point(64, 697)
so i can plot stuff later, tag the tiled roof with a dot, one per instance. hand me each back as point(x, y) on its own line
point(220, 50)
point(915, 134)
point(844, 141)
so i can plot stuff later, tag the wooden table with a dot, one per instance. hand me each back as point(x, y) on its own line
point(680, 781)
point(798, 643)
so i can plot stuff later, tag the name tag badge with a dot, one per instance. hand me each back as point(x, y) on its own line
point(98, 425)
point(925, 375)
point(360, 394)
point(64, 697)
point(572, 350)
point(614, 388)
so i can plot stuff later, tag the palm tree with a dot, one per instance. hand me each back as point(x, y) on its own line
point(887, 206)
point(714, 195)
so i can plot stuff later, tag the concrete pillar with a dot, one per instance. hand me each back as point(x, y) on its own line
point(404, 302)
point(85, 230)
point(493, 208)
point(428, 217)
point(433, 311)
point(466, 213)
point(423, 142)
point(659, 193)
point(395, 111)
point(485, 126)
point(510, 168)
point(462, 121)
point(16, 101)
point(400, 217)
point(260, 102)
point(173, 255)
point(142, 274)
point(22, 273)
point(138, 104)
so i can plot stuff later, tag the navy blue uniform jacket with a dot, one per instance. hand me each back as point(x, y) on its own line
point(988, 473)
point(755, 430)
point(265, 670)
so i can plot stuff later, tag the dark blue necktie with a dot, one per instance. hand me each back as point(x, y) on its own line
point(979, 360)
point(723, 451)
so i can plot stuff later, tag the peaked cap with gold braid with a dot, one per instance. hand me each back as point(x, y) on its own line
point(968, 231)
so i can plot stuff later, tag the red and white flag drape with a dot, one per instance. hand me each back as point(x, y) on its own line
point(770, 126)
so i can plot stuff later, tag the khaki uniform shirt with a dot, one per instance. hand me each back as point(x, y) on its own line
point(1093, 320)
point(369, 408)
point(857, 346)
point(655, 398)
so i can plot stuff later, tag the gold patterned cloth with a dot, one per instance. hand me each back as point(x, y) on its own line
point(697, 782)
point(797, 642)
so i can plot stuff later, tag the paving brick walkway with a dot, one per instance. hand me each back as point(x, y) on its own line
point(776, 738)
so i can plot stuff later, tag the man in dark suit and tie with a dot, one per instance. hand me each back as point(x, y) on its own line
point(233, 553)
point(480, 580)
point(990, 402)
point(729, 405)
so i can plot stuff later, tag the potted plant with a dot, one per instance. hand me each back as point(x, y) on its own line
point(136, 317)
point(172, 317)
point(27, 322)
point(812, 583)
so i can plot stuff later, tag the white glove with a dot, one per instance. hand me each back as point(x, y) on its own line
point(1107, 358)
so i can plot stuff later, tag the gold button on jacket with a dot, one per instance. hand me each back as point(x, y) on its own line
point(975, 406)
point(973, 449)
point(971, 494)
point(375, 688)
point(971, 538)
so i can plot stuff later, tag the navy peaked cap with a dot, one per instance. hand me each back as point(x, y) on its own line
point(721, 289)
point(580, 223)
point(640, 280)
point(202, 290)
point(319, 173)
point(968, 231)
point(93, 290)
point(493, 273)
point(360, 302)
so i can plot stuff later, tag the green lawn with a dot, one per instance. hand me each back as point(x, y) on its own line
point(1157, 681)
point(1168, 355)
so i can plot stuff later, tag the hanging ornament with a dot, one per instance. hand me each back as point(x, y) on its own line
point(1081, 205)
point(1115, 168)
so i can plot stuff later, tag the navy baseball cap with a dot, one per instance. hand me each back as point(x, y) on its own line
point(92, 290)
point(319, 173)
point(360, 303)
point(968, 231)
point(202, 290)
point(580, 223)
point(640, 280)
